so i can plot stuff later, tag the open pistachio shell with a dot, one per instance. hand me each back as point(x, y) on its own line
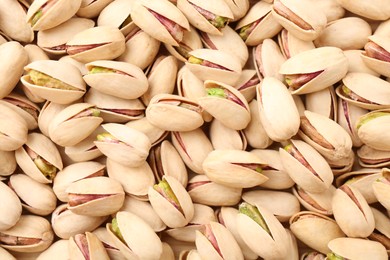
point(171, 202)
point(58, 250)
point(234, 168)
point(137, 239)
point(117, 14)
point(124, 145)
point(317, 202)
point(34, 231)
point(375, 54)
point(209, 17)
point(223, 137)
point(282, 123)
point(74, 123)
point(357, 248)
point(315, 69)
point(155, 134)
point(108, 242)
point(7, 163)
point(306, 166)
point(43, 15)
point(322, 102)
point(92, 8)
point(119, 79)
point(381, 188)
point(13, 129)
point(86, 246)
point(290, 45)
point(372, 158)
point(96, 43)
point(11, 209)
point(200, 187)
point(246, 84)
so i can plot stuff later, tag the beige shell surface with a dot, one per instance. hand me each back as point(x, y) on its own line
point(155, 134)
point(369, 157)
point(14, 135)
point(7, 163)
point(223, 137)
point(291, 45)
point(375, 64)
point(246, 84)
point(375, 10)
point(317, 202)
point(323, 102)
point(357, 248)
point(356, 63)
point(91, 9)
point(107, 239)
point(58, 250)
point(11, 209)
point(116, 14)
point(239, 8)
point(95, 247)
point(381, 188)
point(382, 222)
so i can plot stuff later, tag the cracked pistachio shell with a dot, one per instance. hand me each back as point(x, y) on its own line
point(229, 42)
point(334, 142)
point(36, 197)
point(316, 180)
point(111, 191)
point(139, 239)
point(356, 63)
point(7, 163)
point(30, 227)
point(202, 215)
point(115, 109)
point(132, 147)
point(348, 114)
point(358, 248)
point(46, 149)
point(53, 40)
point(65, 223)
point(193, 147)
point(13, 21)
point(322, 102)
point(13, 129)
point(200, 188)
point(381, 188)
point(108, 242)
point(232, 168)
point(282, 205)
point(306, 226)
point(218, 8)
point(329, 62)
point(375, 10)
point(362, 180)
point(246, 84)
point(61, 71)
point(150, 23)
point(174, 113)
point(290, 14)
point(51, 14)
point(229, 74)
point(223, 137)
point(73, 173)
point(134, 180)
point(124, 80)
point(227, 246)
point(155, 134)
point(117, 14)
point(88, 242)
point(169, 214)
point(238, 7)
point(144, 210)
point(290, 45)
point(281, 123)
point(262, 24)
point(13, 58)
point(230, 107)
point(348, 201)
point(96, 43)
point(372, 158)
point(92, 8)
point(58, 250)
point(317, 202)
point(11, 209)
point(380, 66)
point(66, 129)
point(377, 97)
point(275, 244)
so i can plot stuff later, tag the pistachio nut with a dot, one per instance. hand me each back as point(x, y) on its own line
point(155, 134)
point(30, 234)
point(96, 43)
point(46, 14)
point(86, 246)
point(381, 188)
point(376, 54)
point(235, 168)
point(306, 166)
point(36, 197)
point(372, 158)
point(58, 250)
point(39, 158)
point(355, 248)
point(164, 159)
point(216, 65)
point(304, 19)
point(281, 204)
point(116, 78)
point(381, 233)
point(255, 223)
point(375, 10)
point(207, 17)
point(171, 202)
point(322, 102)
point(13, 21)
point(7, 163)
point(258, 24)
point(55, 81)
point(317, 202)
point(356, 63)
point(95, 196)
point(314, 70)
point(223, 137)
point(313, 255)
point(162, 20)
point(304, 223)
point(239, 8)
point(348, 200)
point(11, 209)
point(246, 84)
point(282, 123)
point(225, 104)
point(215, 241)
point(108, 242)
point(134, 237)
point(290, 45)
point(193, 147)
point(13, 129)
point(65, 223)
point(200, 188)
point(92, 8)
point(123, 144)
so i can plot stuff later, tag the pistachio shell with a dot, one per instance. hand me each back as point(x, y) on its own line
point(378, 65)
point(290, 45)
point(155, 134)
point(7, 163)
point(356, 63)
point(332, 9)
point(13, 21)
point(322, 102)
point(11, 209)
point(13, 129)
point(58, 250)
point(381, 188)
point(90, 9)
point(317, 202)
point(116, 14)
point(94, 247)
point(372, 158)
point(382, 228)
point(4, 254)
point(246, 84)
point(239, 8)
point(81, 66)
point(108, 242)
point(357, 248)
point(223, 137)
point(376, 10)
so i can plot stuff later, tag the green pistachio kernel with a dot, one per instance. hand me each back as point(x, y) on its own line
point(95, 70)
point(368, 117)
point(36, 17)
point(164, 187)
point(44, 80)
point(216, 92)
point(195, 60)
point(288, 147)
point(252, 212)
point(219, 21)
point(244, 32)
point(346, 90)
point(115, 229)
point(106, 137)
point(259, 169)
point(95, 112)
point(333, 256)
point(47, 169)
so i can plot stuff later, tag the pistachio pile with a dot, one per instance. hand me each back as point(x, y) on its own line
point(189, 129)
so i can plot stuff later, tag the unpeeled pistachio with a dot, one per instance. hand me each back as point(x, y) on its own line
point(58, 250)
point(290, 45)
point(223, 137)
point(117, 14)
point(86, 246)
point(372, 158)
point(317, 202)
point(322, 102)
point(13, 129)
point(48, 111)
point(381, 188)
point(239, 8)
point(375, 10)
point(155, 134)
point(376, 54)
point(246, 84)
point(108, 243)
point(7, 163)
point(11, 209)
